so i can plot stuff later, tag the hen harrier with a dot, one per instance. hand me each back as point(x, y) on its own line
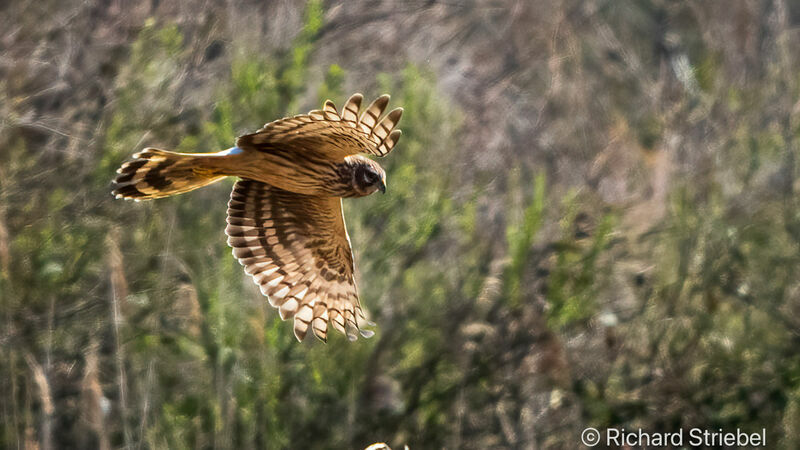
point(285, 221)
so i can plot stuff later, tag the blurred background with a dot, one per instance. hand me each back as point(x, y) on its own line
point(592, 220)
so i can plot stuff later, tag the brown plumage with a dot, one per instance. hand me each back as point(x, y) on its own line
point(285, 220)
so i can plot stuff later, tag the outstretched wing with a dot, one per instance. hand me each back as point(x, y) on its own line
point(332, 134)
point(297, 250)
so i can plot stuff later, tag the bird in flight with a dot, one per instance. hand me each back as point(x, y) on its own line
point(285, 221)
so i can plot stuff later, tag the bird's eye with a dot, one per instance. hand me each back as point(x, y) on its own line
point(368, 177)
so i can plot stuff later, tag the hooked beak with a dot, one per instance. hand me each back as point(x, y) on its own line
point(382, 185)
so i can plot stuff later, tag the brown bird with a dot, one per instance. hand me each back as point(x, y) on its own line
point(285, 220)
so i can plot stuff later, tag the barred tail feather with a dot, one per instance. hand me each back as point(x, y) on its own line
point(157, 173)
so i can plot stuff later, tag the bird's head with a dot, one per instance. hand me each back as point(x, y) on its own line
point(367, 176)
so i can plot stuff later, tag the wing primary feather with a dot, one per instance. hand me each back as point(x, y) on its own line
point(319, 325)
point(351, 108)
point(330, 107)
point(385, 126)
point(388, 143)
point(373, 112)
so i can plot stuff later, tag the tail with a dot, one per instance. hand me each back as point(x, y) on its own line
point(157, 173)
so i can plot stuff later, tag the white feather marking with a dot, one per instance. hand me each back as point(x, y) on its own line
point(281, 293)
point(270, 271)
point(305, 314)
point(288, 309)
point(274, 282)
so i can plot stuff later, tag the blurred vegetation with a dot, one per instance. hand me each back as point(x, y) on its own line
point(602, 231)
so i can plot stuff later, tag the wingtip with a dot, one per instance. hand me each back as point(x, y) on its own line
point(355, 98)
point(330, 107)
point(395, 115)
point(366, 333)
point(383, 100)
